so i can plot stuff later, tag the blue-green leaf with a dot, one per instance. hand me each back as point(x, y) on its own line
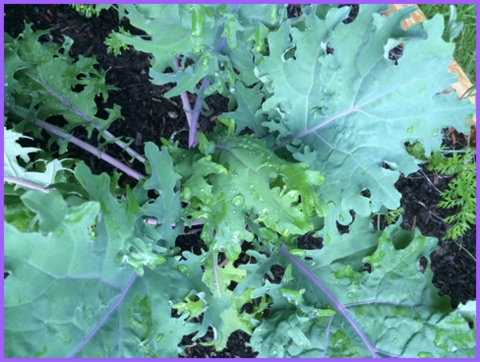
point(349, 109)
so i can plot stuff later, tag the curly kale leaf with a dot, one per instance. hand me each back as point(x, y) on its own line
point(240, 177)
point(43, 80)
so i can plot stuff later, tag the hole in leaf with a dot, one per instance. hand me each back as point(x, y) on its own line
point(246, 131)
point(352, 15)
point(47, 38)
point(168, 70)
point(309, 242)
point(289, 54)
point(294, 11)
point(367, 267)
point(342, 229)
point(402, 238)
point(379, 222)
point(247, 307)
point(277, 182)
point(275, 274)
point(423, 262)
point(395, 54)
point(78, 88)
point(366, 193)
point(232, 285)
point(389, 165)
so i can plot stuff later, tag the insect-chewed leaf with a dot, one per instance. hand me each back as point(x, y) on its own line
point(353, 107)
point(394, 306)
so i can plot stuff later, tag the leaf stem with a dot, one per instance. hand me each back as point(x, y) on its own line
point(24, 183)
point(105, 133)
point(215, 273)
point(193, 133)
point(184, 97)
point(336, 304)
point(105, 317)
point(193, 116)
point(89, 148)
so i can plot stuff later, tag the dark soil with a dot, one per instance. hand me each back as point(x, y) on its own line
point(149, 116)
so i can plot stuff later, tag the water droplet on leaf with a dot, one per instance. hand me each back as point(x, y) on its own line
point(238, 200)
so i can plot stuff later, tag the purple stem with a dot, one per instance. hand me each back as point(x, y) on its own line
point(327, 336)
point(193, 134)
point(102, 321)
point(336, 304)
point(184, 98)
point(192, 117)
point(106, 133)
point(89, 148)
point(24, 183)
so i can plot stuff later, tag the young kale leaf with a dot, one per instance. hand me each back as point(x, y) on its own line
point(240, 177)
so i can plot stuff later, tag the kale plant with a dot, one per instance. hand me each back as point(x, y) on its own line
point(315, 138)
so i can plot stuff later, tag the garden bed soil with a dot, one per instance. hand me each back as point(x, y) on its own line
point(149, 116)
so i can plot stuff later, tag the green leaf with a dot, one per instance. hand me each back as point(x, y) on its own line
point(453, 28)
point(255, 273)
point(34, 89)
point(170, 29)
point(89, 10)
point(231, 317)
point(215, 38)
point(114, 44)
point(395, 306)
point(469, 311)
point(66, 294)
point(345, 109)
point(247, 114)
point(167, 206)
point(243, 178)
point(293, 326)
point(15, 212)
